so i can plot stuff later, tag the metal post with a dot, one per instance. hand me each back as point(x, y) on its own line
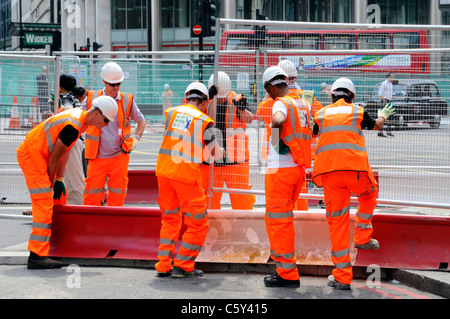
point(56, 75)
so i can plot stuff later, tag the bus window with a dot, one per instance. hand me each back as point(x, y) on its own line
point(339, 42)
point(275, 41)
point(304, 41)
point(406, 40)
point(237, 42)
point(374, 41)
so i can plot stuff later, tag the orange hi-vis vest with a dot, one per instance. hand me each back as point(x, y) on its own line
point(341, 145)
point(236, 140)
point(92, 139)
point(41, 140)
point(296, 133)
point(182, 148)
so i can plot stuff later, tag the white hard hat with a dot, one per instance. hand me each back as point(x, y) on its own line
point(343, 83)
point(196, 86)
point(107, 105)
point(272, 72)
point(166, 86)
point(223, 84)
point(289, 68)
point(112, 73)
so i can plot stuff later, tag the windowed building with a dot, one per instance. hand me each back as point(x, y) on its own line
point(141, 25)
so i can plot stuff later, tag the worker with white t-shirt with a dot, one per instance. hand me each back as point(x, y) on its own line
point(289, 156)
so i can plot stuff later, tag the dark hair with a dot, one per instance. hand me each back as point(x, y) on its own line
point(347, 96)
point(67, 82)
point(389, 74)
point(79, 90)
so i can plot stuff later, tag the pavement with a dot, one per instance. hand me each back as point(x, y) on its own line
point(14, 233)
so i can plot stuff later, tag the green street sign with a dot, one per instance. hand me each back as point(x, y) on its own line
point(37, 39)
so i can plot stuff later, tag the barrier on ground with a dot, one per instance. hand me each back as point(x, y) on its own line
point(406, 241)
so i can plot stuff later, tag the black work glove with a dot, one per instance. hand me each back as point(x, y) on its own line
point(59, 188)
point(212, 92)
point(241, 102)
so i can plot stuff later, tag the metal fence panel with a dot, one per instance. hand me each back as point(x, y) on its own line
point(412, 167)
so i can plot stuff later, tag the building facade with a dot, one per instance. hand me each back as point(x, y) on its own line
point(159, 25)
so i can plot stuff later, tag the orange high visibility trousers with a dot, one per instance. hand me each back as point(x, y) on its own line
point(99, 169)
point(337, 188)
point(282, 186)
point(235, 177)
point(39, 186)
point(177, 200)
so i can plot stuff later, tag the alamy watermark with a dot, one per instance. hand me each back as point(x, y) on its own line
point(73, 280)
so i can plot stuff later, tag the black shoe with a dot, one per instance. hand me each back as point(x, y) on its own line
point(37, 262)
point(163, 274)
point(177, 272)
point(382, 135)
point(390, 134)
point(276, 281)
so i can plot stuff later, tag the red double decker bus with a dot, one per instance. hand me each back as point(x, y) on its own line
point(336, 40)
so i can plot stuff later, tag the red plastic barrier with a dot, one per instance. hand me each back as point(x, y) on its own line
point(406, 241)
point(142, 187)
point(105, 232)
point(409, 242)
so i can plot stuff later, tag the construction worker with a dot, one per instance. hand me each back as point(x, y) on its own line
point(231, 119)
point(167, 97)
point(42, 157)
point(289, 155)
point(341, 165)
point(107, 151)
point(188, 139)
point(265, 115)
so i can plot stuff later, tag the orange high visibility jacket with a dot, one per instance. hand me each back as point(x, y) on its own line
point(341, 145)
point(181, 151)
point(296, 132)
point(41, 140)
point(236, 139)
point(92, 139)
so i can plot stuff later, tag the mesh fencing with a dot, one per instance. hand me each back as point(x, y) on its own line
point(412, 168)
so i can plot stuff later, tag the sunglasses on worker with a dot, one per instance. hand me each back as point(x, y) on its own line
point(104, 117)
point(114, 84)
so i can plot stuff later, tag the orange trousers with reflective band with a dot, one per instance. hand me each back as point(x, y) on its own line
point(337, 188)
point(282, 186)
point(178, 201)
point(234, 176)
point(114, 169)
point(38, 184)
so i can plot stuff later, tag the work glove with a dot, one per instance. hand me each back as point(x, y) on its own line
point(387, 111)
point(51, 100)
point(308, 96)
point(212, 92)
point(135, 142)
point(59, 188)
point(240, 102)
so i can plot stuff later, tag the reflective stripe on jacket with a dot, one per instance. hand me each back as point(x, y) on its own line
point(296, 133)
point(181, 151)
point(341, 145)
point(92, 139)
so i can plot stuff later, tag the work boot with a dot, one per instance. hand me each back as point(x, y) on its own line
point(390, 134)
point(276, 281)
point(163, 274)
point(382, 134)
point(177, 272)
point(38, 262)
point(371, 244)
point(332, 282)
